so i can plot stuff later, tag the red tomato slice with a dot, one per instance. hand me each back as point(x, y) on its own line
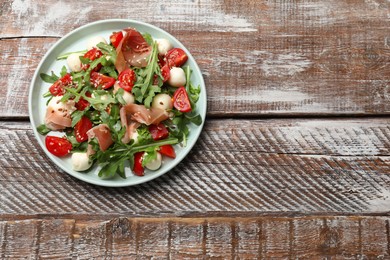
point(181, 101)
point(98, 79)
point(168, 150)
point(92, 54)
point(176, 57)
point(81, 129)
point(165, 72)
point(126, 79)
point(138, 169)
point(59, 146)
point(158, 132)
point(82, 104)
point(116, 38)
point(57, 89)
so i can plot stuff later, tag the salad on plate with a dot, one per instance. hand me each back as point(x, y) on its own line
point(123, 102)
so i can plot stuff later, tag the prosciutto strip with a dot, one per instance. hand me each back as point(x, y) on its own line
point(58, 113)
point(133, 50)
point(130, 125)
point(147, 116)
point(103, 136)
point(133, 115)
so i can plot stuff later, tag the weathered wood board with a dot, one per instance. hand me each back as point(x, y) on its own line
point(320, 237)
point(297, 166)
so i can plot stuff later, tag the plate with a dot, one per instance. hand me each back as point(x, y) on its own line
point(76, 41)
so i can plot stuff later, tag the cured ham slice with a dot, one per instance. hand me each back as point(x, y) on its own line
point(133, 50)
point(103, 136)
point(130, 125)
point(58, 113)
point(147, 116)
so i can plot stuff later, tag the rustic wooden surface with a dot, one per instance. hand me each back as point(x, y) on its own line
point(293, 162)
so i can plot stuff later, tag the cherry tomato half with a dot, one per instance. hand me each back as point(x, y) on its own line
point(165, 72)
point(116, 38)
point(181, 101)
point(92, 54)
point(167, 150)
point(98, 79)
point(158, 132)
point(59, 146)
point(127, 79)
point(57, 89)
point(81, 128)
point(82, 104)
point(138, 169)
point(176, 57)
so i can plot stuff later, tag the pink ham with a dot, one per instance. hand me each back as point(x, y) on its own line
point(103, 136)
point(58, 113)
point(133, 50)
point(129, 124)
point(143, 115)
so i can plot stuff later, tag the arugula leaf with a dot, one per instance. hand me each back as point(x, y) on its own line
point(43, 129)
point(144, 90)
point(112, 160)
point(76, 146)
point(66, 55)
point(77, 115)
point(152, 92)
point(109, 51)
point(149, 156)
point(63, 71)
point(148, 38)
point(49, 78)
point(110, 71)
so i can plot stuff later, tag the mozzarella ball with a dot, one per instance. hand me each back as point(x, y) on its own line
point(163, 46)
point(162, 101)
point(94, 41)
point(128, 97)
point(135, 136)
point(80, 161)
point(177, 77)
point(74, 62)
point(155, 164)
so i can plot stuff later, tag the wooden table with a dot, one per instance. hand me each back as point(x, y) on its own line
point(293, 161)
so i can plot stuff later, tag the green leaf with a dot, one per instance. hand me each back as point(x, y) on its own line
point(108, 51)
point(144, 89)
point(49, 78)
point(77, 115)
point(195, 119)
point(43, 129)
point(148, 38)
point(108, 171)
point(63, 71)
point(66, 55)
point(148, 157)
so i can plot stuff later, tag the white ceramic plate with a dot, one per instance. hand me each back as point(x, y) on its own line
point(76, 41)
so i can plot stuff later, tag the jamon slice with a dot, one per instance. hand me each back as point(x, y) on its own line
point(58, 113)
point(103, 136)
point(133, 50)
point(147, 116)
point(133, 115)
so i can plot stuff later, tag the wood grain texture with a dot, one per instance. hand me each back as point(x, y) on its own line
point(320, 237)
point(258, 58)
point(237, 166)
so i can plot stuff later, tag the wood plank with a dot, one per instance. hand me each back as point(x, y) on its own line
point(319, 237)
point(237, 166)
point(266, 58)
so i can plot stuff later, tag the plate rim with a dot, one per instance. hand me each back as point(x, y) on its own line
point(107, 183)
